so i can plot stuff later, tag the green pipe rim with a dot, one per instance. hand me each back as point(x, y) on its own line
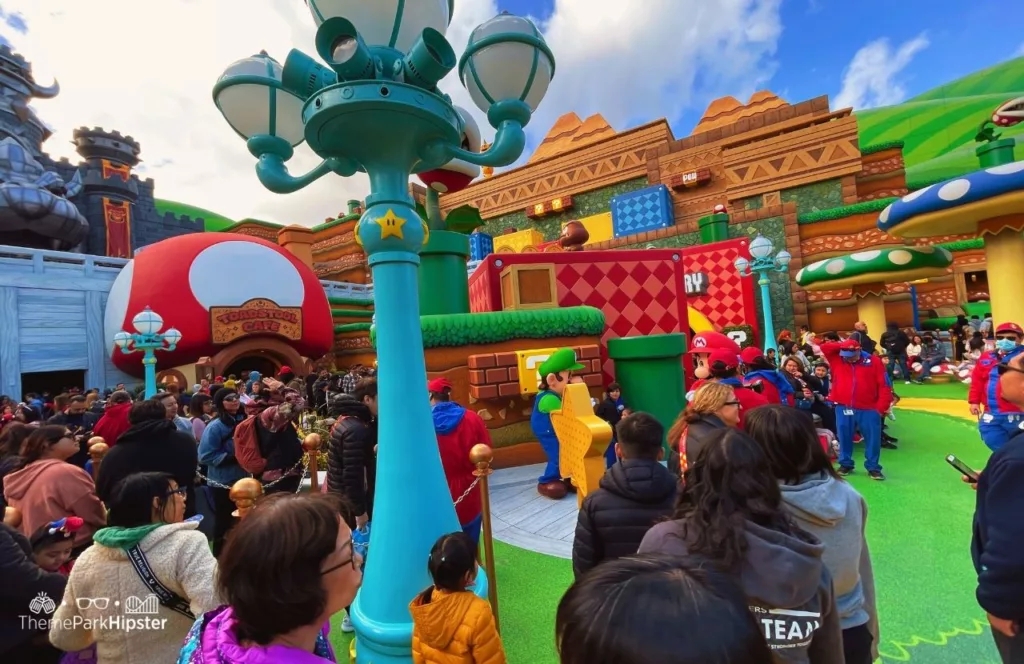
point(653, 347)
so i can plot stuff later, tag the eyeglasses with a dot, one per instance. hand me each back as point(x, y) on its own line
point(351, 560)
point(1008, 337)
point(1003, 368)
point(231, 397)
point(180, 491)
point(732, 403)
point(100, 603)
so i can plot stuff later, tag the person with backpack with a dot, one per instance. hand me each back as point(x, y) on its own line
point(267, 442)
point(217, 453)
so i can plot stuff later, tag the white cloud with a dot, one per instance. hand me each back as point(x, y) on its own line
point(147, 68)
point(873, 75)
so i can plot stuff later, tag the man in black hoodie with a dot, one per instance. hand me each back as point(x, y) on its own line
point(351, 467)
point(998, 544)
point(151, 444)
point(895, 341)
point(633, 495)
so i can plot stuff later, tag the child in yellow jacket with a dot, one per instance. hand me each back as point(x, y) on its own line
point(451, 625)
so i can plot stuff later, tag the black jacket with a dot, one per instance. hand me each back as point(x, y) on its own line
point(895, 341)
point(999, 532)
point(155, 446)
point(23, 582)
point(867, 344)
point(696, 435)
point(282, 449)
point(634, 494)
point(609, 411)
point(351, 466)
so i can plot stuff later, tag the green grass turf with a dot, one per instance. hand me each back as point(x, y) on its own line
point(931, 390)
point(919, 531)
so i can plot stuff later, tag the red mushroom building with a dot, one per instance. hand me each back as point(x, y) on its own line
point(240, 303)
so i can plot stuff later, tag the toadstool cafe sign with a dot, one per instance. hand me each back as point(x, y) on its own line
point(257, 316)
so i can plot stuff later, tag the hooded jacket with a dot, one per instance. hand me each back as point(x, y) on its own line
point(633, 495)
point(179, 556)
point(351, 467)
point(894, 340)
point(454, 628)
point(774, 386)
point(217, 450)
point(154, 446)
point(862, 384)
point(113, 423)
point(748, 398)
point(50, 489)
point(788, 587)
point(458, 430)
point(212, 640)
point(836, 514)
point(23, 581)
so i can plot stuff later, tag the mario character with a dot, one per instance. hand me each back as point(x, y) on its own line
point(555, 373)
point(701, 346)
point(862, 395)
point(1001, 419)
point(723, 366)
point(765, 379)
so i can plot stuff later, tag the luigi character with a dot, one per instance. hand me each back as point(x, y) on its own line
point(555, 374)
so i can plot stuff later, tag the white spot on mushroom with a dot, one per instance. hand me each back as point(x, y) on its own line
point(900, 257)
point(1006, 169)
point(955, 190)
point(799, 276)
point(914, 195)
point(814, 266)
point(836, 266)
point(884, 217)
point(864, 256)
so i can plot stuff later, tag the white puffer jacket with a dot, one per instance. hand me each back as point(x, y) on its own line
point(179, 556)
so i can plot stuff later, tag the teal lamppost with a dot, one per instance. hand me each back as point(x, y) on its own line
point(148, 338)
point(762, 263)
point(375, 107)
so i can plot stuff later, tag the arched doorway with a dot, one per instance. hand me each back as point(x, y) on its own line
point(265, 355)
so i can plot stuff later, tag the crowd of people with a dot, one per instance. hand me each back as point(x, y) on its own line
point(749, 522)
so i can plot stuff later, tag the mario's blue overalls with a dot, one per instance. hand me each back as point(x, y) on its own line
point(540, 422)
point(997, 426)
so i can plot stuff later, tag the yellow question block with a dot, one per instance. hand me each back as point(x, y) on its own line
point(528, 362)
point(599, 226)
point(582, 439)
point(516, 242)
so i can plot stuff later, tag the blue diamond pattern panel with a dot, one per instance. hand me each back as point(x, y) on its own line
point(641, 211)
point(481, 245)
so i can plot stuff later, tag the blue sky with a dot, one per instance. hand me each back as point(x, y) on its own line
point(820, 38)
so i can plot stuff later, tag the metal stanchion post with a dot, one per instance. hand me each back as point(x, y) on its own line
point(481, 456)
point(244, 494)
point(311, 444)
point(98, 449)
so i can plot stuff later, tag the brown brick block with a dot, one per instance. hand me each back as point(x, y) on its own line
point(485, 361)
point(774, 211)
point(589, 352)
point(756, 121)
point(714, 135)
point(578, 350)
point(513, 373)
point(595, 365)
point(508, 389)
point(593, 380)
point(820, 103)
point(483, 391)
point(497, 375)
point(742, 125)
point(771, 117)
point(505, 359)
point(786, 112)
point(477, 377)
point(803, 108)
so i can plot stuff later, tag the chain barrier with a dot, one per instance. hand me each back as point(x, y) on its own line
point(302, 475)
point(466, 492)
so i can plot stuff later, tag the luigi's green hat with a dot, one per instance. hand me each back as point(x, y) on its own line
point(563, 359)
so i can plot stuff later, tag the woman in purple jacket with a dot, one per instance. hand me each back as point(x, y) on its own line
point(286, 569)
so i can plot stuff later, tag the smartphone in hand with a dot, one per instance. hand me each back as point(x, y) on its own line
point(963, 468)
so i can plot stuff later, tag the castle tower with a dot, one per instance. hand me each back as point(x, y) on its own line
point(17, 89)
point(109, 189)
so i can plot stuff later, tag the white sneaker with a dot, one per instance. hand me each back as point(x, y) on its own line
point(346, 625)
point(906, 382)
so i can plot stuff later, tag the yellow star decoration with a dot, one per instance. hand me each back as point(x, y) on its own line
point(582, 439)
point(426, 232)
point(391, 225)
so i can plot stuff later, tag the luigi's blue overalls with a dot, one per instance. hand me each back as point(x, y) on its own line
point(561, 361)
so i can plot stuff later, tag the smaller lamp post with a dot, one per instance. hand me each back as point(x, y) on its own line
point(761, 249)
point(148, 338)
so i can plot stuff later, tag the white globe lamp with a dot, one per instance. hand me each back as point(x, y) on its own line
point(250, 96)
point(147, 321)
point(506, 59)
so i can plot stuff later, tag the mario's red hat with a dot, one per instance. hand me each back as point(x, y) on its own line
point(284, 370)
point(705, 342)
point(1010, 328)
point(751, 354)
point(849, 344)
point(726, 357)
point(439, 385)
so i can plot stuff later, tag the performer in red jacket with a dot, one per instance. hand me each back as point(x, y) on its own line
point(774, 387)
point(114, 421)
point(458, 430)
point(861, 394)
point(1001, 419)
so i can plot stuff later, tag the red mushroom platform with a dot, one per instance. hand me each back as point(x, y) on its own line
point(232, 297)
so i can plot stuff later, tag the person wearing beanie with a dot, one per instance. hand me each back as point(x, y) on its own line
point(217, 452)
point(774, 386)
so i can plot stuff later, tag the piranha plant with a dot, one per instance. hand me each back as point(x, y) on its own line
point(444, 282)
point(996, 151)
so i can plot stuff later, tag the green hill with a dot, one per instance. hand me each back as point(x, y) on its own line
point(214, 221)
point(938, 127)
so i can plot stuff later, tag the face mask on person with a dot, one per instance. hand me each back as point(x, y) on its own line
point(1005, 345)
